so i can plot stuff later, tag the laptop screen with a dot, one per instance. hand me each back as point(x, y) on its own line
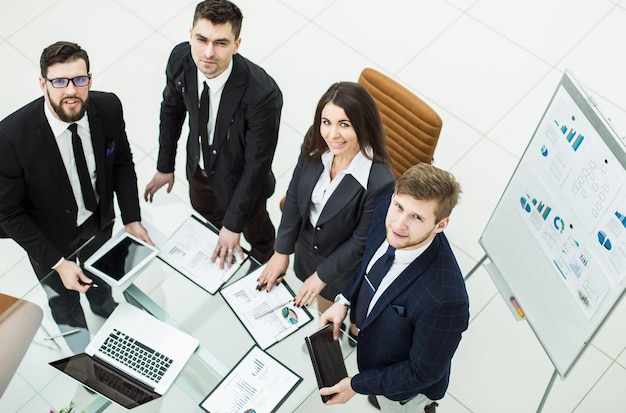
point(105, 380)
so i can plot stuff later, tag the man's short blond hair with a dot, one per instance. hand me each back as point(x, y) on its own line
point(426, 182)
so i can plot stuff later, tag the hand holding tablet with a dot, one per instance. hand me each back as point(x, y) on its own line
point(119, 259)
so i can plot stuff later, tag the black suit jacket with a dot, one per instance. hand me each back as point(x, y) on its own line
point(407, 342)
point(343, 224)
point(37, 206)
point(245, 138)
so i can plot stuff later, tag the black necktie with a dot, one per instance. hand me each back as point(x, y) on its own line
point(371, 282)
point(204, 120)
point(83, 173)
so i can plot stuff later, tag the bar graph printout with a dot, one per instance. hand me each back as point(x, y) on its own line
point(268, 317)
point(189, 249)
point(258, 383)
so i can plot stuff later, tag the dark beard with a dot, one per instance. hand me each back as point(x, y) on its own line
point(67, 117)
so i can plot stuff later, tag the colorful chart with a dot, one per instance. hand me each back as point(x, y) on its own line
point(559, 225)
point(290, 315)
point(573, 137)
point(604, 240)
point(525, 204)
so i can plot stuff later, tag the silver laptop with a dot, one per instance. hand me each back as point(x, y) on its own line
point(133, 359)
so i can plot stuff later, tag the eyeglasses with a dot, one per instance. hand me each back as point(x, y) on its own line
point(61, 82)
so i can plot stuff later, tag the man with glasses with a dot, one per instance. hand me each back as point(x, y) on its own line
point(62, 157)
point(234, 111)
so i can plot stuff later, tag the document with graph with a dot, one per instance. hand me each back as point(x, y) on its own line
point(258, 383)
point(268, 317)
point(189, 249)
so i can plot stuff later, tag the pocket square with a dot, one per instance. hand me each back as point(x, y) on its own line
point(400, 309)
point(110, 148)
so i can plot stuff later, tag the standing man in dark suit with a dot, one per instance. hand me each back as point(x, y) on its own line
point(232, 133)
point(410, 312)
point(46, 204)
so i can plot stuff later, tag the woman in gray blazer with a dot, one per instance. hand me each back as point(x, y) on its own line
point(342, 170)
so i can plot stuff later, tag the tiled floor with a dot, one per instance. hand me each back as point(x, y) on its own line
point(488, 67)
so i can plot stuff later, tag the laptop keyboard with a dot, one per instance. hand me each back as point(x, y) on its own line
point(129, 390)
point(135, 355)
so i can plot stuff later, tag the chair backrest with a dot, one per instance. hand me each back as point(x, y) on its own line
point(19, 321)
point(412, 127)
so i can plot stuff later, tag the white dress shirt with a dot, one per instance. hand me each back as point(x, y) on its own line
point(216, 87)
point(359, 168)
point(63, 138)
point(401, 260)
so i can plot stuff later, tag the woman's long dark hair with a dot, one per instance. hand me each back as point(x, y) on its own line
point(363, 114)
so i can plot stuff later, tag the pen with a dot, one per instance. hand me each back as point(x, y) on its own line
point(519, 310)
point(67, 333)
point(273, 309)
point(91, 284)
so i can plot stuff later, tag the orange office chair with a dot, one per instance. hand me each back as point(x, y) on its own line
point(412, 127)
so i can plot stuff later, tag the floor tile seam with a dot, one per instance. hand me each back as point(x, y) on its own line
point(8, 270)
point(524, 48)
point(309, 21)
point(427, 45)
point(35, 393)
point(33, 18)
point(489, 130)
point(130, 49)
point(147, 23)
point(450, 395)
point(618, 356)
point(590, 389)
point(474, 317)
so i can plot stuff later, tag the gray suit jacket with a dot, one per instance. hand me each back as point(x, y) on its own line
point(344, 222)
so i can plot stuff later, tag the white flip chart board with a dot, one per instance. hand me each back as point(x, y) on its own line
point(557, 237)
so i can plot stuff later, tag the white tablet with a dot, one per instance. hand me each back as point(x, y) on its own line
point(119, 259)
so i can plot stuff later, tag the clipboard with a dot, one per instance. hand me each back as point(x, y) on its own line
point(326, 358)
point(268, 317)
point(257, 383)
point(189, 249)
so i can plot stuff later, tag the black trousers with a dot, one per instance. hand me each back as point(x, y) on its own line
point(259, 230)
point(65, 304)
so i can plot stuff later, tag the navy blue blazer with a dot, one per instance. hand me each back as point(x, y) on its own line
point(245, 138)
point(343, 224)
point(406, 343)
point(37, 206)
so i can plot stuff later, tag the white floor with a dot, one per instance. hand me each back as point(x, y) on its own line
point(488, 67)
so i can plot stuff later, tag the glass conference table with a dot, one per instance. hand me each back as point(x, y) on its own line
point(171, 297)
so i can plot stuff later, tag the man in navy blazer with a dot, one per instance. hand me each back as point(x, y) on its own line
point(411, 324)
point(230, 177)
point(41, 200)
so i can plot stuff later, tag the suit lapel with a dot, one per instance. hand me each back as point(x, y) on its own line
point(97, 141)
point(231, 96)
point(50, 150)
point(308, 179)
point(348, 188)
point(409, 276)
point(189, 84)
